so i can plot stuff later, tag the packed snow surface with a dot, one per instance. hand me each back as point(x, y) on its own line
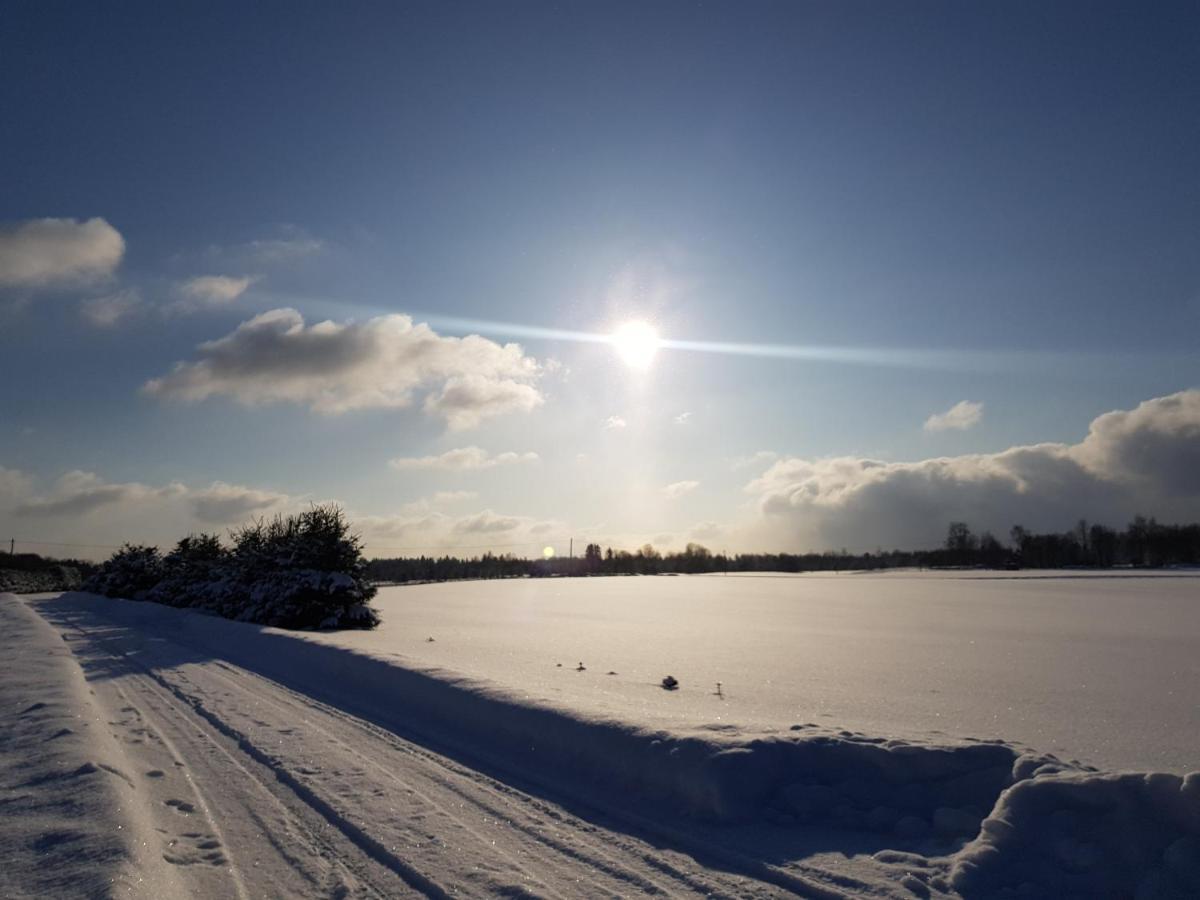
point(1103, 668)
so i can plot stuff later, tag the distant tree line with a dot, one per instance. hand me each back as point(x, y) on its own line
point(1144, 542)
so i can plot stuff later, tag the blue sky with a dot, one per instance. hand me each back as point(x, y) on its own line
point(994, 205)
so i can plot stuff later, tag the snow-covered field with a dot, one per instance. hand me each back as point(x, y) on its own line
point(1104, 668)
point(155, 752)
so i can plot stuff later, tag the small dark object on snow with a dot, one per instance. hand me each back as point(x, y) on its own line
point(670, 683)
point(719, 693)
point(610, 672)
point(581, 668)
point(429, 640)
point(559, 665)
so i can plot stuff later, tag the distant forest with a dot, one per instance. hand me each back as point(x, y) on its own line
point(1144, 543)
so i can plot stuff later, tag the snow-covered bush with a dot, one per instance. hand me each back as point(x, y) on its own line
point(188, 571)
point(301, 571)
point(132, 572)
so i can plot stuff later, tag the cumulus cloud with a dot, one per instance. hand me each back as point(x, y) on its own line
point(209, 292)
point(962, 415)
point(79, 493)
point(463, 459)
point(679, 488)
point(465, 400)
point(222, 503)
point(336, 367)
point(106, 311)
point(614, 422)
point(1131, 461)
point(47, 252)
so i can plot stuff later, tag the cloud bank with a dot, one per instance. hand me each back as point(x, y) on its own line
point(962, 415)
point(48, 252)
point(337, 367)
point(78, 494)
point(1145, 460)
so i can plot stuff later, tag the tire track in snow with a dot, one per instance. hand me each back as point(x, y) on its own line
point(592, 857)
point(352, 832)
point(812, 883)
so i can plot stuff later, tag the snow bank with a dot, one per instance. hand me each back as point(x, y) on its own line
point(1088, 835)
point(69, 822)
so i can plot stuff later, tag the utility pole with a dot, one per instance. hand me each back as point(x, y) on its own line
point(572, 548)
point(12, 546)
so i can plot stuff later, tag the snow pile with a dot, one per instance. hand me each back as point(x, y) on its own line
point(1088, 835)
point(303, 571)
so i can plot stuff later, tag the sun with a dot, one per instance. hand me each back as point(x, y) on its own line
point(548, 552)
point(636, 343)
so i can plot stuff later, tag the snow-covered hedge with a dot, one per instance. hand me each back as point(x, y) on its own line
point(302, 571)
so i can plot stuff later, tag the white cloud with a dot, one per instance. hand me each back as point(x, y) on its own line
point(106, 311)
point(614, 422)
point(336, 367)
point(47, 252)
point(222, 503)
point(427, 531)
point(209, 292)
point(1137, 461)
point(679, 488)
point(78, 493)
point(682, 418)
point(463, 459)
point(962, 415)
point(486, 522)
point(465, 400)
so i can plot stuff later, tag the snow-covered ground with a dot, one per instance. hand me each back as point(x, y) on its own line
point(1104, 668)
point(156, 752)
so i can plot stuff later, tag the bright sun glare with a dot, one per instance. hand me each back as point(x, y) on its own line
point(636, 344)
